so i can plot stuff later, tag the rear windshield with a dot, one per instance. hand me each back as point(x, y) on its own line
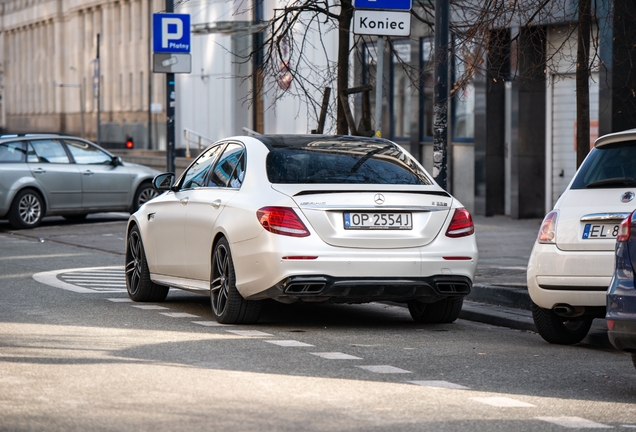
point(332, 162)
point(610, 166)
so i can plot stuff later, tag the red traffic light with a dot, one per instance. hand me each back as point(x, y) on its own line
point(129, 143)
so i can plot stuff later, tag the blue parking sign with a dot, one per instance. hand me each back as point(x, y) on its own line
point(171, 33)
point(402, 5)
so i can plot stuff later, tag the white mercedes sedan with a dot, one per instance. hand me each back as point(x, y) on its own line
point(303, 218)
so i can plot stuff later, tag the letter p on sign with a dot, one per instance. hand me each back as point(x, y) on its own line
point(168, 24)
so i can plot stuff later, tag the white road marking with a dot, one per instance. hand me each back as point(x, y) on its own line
point(336, 356)
point(251, 333)
point(50, 278)
point(120, 300)
point(440, 384)
point(179, 315)
point(574, 422)
point(288, 343)
point(629, 426)
point(150, 307)
point(384, 369)
point(503, 402)
point(30, 257)
point(210, 323)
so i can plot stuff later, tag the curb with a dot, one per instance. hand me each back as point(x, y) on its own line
point(513, 297)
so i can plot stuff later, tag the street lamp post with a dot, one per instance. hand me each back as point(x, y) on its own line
point(81, 95)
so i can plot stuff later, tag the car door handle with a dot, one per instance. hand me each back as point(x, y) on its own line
point(39, 171)
point(184, 201)
point(216, 203)
point(88, 173)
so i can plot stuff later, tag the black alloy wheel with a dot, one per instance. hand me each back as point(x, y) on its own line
point(27, 210)
point(138, 283)
point(228, 306)
point(557, 329)
point(442, 311)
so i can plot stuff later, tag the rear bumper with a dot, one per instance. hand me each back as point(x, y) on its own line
point(576, 278)
point(363, 290)
point(623, 335)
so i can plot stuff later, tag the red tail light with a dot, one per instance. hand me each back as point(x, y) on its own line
point(283, 221)
point(461, 225)
point(547, 232)
point(625, 229)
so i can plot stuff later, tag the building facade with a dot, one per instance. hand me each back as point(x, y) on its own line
point(511, 128)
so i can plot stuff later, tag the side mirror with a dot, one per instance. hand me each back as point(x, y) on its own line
point(116, 161)
point(163, 182)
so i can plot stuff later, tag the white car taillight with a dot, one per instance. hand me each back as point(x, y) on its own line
point(461, 225)
point(625, 229)
point(547, 232)
point(282, 220)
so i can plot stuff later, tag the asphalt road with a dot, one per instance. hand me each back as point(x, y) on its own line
point(76, 355)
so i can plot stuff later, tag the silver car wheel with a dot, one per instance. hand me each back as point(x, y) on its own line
point(146, 195)
point(29, 209)
point(220, 283)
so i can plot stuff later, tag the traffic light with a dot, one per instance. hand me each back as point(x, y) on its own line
point(129, 143)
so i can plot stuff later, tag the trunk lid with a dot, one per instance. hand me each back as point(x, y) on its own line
point(328, 208)
point(589, 218)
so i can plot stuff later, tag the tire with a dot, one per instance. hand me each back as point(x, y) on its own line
point(75, 217)
point(557, 329)
point(443, 311)
point(138, 284)
point(145, 192)
point(27, 209)
point(228, 306)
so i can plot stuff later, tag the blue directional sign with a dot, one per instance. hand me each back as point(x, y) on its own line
point(171, 33)
point(383, 4)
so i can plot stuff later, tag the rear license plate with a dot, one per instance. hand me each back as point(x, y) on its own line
point(600, 231)
point(378, 221)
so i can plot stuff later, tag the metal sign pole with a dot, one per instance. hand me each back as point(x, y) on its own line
point(170, 109)
point(99, 88)
point(379, 78)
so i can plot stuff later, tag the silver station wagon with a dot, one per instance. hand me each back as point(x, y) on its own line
point(46, 175)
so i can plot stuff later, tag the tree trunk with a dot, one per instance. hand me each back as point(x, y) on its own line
point(344, 24)
point(582, 82)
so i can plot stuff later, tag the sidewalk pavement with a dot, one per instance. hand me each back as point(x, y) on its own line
point(500, 294)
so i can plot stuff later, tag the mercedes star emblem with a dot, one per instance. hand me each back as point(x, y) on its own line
point(627, 196)
point(379, 199)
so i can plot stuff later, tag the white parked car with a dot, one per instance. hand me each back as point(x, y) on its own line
point(572, 261)
point(303, 218)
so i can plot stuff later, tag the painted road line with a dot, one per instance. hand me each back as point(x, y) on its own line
point(336, 356)
point(384, 369)
point(210, 323)
point(574, 422)
point(288, 343)
point(251, 333)
point(503, 402)
point(440, 385)
point(50, 278)
point(179, 315)
point(120, 300)
point(150, 307)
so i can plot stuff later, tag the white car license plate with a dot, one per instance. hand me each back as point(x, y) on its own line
point(600, 231)
point(378, 221)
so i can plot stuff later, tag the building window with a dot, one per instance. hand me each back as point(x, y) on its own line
point(463, 91)
point(427, 89)
point(370, 65)
point(401, 90)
